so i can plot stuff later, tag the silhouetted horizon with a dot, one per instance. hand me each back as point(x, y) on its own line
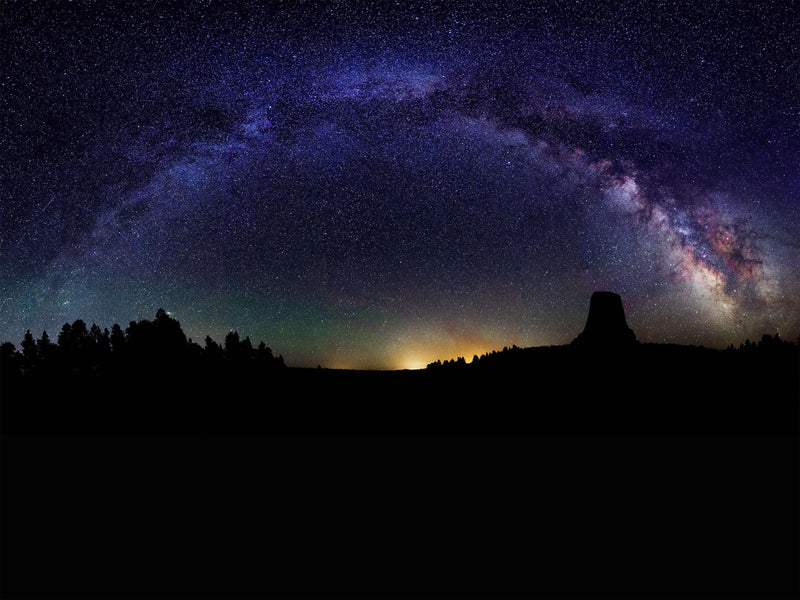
point(177, 384)
point(102, 343)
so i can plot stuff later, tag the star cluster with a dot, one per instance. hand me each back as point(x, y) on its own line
point(378, 186)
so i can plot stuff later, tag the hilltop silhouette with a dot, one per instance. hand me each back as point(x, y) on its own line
point(605, 380)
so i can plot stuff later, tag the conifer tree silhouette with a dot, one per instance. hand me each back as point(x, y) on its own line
point(29, 349)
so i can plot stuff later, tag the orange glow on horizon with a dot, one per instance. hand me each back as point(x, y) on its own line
point(414, 360)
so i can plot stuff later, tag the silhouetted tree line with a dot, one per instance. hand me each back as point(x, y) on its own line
point(506, 356)
point(158, 346)
point(770, 346)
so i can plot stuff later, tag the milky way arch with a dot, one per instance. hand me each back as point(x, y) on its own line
point(431, 196)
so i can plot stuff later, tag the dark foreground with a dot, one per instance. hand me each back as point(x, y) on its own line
point(644, 389)
point(664, 472)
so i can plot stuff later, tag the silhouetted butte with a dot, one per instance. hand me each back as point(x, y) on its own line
point(606, 325)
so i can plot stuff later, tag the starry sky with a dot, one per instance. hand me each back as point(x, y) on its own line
point(379, 185)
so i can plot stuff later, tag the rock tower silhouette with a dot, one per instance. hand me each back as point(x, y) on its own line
point(606, 325)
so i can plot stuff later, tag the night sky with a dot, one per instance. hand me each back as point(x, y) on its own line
point(381, 185)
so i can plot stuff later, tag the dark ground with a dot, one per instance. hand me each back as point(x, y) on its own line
point(660, 472)
point(648, 388)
